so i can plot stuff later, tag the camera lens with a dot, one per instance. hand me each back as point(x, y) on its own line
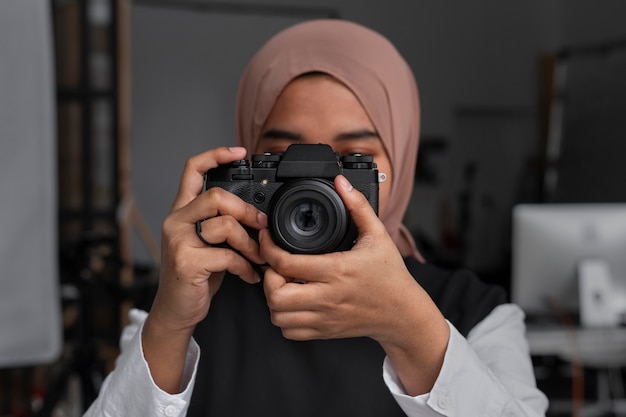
point(308, 216)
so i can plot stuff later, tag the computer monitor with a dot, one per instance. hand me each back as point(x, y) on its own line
point(570, 259)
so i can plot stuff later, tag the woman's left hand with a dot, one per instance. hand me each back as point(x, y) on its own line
point(366, 291)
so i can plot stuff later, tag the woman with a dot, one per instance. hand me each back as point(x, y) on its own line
point(444, 342)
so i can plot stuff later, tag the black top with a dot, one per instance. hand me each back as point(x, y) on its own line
point(248, 368)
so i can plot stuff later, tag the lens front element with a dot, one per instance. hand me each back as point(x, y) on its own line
point(308, 216)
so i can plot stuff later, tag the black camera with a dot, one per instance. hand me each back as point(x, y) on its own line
point(296, 191)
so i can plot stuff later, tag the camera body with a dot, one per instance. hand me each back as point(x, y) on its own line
point(296, 191)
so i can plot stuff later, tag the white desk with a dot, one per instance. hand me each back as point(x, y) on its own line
point(603, 349)
point(595, 347)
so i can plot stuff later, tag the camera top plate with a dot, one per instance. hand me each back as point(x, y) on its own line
point(303, 160)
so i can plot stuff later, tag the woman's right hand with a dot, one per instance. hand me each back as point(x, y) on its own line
point(191, 271)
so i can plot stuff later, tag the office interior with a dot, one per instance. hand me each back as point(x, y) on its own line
point(101, 102)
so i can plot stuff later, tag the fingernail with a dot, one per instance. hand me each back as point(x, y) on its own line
point(262, 219)
point(236, 149)
point(344, 183)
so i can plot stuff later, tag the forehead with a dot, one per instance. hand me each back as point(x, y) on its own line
point(318, 101)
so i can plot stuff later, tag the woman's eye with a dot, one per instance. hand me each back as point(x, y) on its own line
point(274, 149)
point(353, 151)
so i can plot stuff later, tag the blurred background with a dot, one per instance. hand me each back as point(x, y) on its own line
point(102, 101)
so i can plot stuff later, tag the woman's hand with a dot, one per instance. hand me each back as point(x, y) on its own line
point(191, 271)
point(366, 291)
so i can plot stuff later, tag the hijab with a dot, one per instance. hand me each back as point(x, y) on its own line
point(372, 68)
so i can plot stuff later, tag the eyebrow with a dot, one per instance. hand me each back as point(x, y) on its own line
point(356, 134)
point(281, 134)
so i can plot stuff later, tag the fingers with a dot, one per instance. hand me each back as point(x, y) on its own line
point(217, 201)
point(191, 205)
point(360, 209)
point(305, 311)
point(286, 294)
point(291, 306)
point(304, 267)
point(223, 259)
point(185, 253)
point(227, 229)
point(225, 213)
point(192, 178)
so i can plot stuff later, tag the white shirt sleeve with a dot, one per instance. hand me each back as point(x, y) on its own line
point(131, 391)
point(488, 374)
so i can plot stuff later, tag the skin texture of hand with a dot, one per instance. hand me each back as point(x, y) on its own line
point(192, 272)
point(366, 291)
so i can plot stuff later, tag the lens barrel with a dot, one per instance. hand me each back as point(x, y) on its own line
point(308, 216)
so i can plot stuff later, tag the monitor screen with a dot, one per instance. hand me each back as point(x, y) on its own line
point(550, 244)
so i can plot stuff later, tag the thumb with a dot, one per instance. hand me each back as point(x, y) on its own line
point(360, 209)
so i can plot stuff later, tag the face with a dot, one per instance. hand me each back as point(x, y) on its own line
point(319, 109)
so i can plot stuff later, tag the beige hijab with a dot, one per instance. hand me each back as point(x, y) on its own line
point(375, 72)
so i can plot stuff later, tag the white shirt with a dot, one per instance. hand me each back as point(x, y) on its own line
point(489, 373)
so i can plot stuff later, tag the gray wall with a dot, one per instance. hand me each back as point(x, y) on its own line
point(475, 63)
